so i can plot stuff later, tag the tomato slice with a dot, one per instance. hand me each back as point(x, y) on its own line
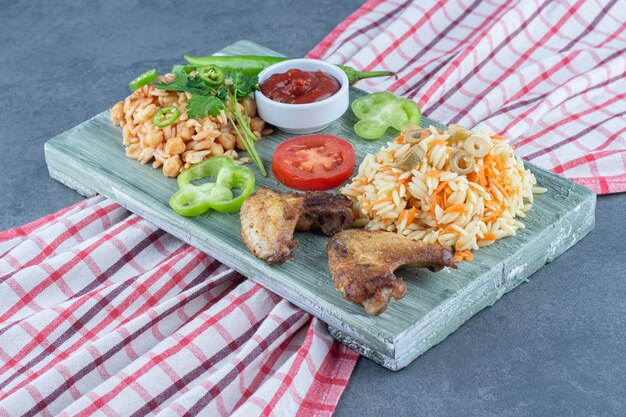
point(313, 162)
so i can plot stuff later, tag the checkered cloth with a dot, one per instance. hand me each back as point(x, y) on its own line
point(548, 74)
point(101, 313)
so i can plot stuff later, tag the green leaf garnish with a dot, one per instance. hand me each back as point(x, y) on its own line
point(201, 106)
point(209, 101)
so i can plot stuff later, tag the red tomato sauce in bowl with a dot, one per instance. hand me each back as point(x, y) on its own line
point(300, 87)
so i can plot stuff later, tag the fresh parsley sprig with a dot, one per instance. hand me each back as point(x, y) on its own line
point(209, 101)
point(201, 106)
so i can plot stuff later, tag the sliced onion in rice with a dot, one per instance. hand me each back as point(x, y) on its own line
point(409, 128)
point(414, 137)
point(411, 159)
point(461, 162)
point(477, 146)
point(458, 133)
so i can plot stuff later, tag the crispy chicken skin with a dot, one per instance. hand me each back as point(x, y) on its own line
point(269, 218)
point(362, 263)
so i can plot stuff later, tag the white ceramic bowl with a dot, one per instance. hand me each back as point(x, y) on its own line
point(303, 118)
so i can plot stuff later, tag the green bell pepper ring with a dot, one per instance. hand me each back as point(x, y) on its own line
point(379, 111)
point(212, 75)
point(166, 116)
point(143, 79)
point(192, 200)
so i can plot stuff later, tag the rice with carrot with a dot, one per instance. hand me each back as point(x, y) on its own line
point(461, 189)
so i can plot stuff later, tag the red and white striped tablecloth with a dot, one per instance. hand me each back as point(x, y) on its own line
point(101, 313)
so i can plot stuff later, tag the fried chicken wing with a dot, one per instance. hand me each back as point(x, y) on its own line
point(269, 218)
point(362, 263)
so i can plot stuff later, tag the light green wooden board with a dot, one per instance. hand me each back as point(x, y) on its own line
point(90, 159)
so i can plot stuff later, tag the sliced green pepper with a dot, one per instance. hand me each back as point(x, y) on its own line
point(378, 111)
point(254, 64)
point(176, 69)
point(212, 75)
point(166, 116)
point(143, 79)
point(192, 200)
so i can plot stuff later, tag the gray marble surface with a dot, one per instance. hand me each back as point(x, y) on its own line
point(555, 346)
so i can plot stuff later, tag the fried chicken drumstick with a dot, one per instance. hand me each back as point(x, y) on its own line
point(269, 218)
point(362, 263)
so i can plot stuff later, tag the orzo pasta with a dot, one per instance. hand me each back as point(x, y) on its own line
point(431, 202)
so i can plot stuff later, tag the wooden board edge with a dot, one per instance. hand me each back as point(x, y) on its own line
point(59, 175)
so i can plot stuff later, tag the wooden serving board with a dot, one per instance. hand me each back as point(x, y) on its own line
point(90, 159)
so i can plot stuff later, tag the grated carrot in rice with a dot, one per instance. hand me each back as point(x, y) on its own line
point(411, 216)
point(492, 205)
point(498, 162)
point(456, 208)
point(441, 187)
point(461, 255)
point(488, 165)
point(492, 216)
point(482, 180)
point(402, 215)
point(433, 173)
point(488, 237)
point(382, 200)
point(500, 188)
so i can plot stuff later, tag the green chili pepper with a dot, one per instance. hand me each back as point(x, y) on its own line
point(253, 64)
point(143, 79)
point(212, 75)
point(176, 69)
point(166, 116)
point(192, 200)
point(378, 111)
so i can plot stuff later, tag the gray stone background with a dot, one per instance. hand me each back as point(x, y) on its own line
point(553, 347)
